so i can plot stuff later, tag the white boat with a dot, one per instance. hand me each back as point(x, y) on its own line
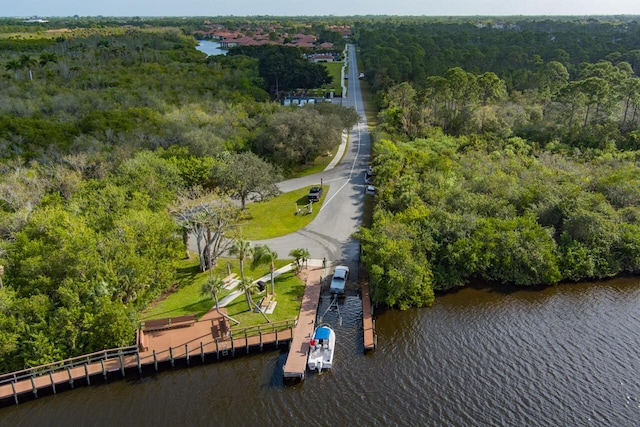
point(321, 347)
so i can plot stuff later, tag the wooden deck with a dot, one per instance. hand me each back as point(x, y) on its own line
point(296, 364)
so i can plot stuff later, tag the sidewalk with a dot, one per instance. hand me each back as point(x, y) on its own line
point(339, 153)
point(235, 294)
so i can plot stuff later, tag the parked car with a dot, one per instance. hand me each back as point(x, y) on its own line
point(370, 190)
point(368, 175)
point(339, 280)
point(315, 194)
point(361, 76)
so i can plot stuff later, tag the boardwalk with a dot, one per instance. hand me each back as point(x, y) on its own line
point(200, 341)
point(296, 365)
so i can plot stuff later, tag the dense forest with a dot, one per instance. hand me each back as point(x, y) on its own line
point(507, 150)
point(116, 138)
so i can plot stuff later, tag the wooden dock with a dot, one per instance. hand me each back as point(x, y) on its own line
point(296, 364)
point(368, 325)
point(206, 340)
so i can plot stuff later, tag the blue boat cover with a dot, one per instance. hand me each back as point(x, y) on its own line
point(322, 333)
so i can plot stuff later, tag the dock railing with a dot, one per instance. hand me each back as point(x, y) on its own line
point(264, 328)
point(63, 365)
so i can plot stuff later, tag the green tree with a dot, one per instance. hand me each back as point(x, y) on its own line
point(212, 287)
point(263, 254)
point(400, 273)
point(295, 137)
point(300, 255)
point(152, 175)
point(245, 175)
point(517, 251)
point(247, 286)
point(241, 249)
point(15, 66)
point(29, 63)
point(491, 87)
point(211, 219)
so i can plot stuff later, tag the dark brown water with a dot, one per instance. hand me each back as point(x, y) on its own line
point(564, 356)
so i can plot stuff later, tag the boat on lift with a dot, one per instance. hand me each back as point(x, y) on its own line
point(321, 348)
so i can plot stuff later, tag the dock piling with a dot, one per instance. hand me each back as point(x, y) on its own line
point(35, 389)
point(70, 377)
point(86, 373)
point(53, 384)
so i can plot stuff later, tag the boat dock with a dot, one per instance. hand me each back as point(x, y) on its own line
point(182, 341)
point(296, 364)
point(368, 324)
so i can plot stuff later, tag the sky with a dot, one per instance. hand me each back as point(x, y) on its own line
point(50, 8)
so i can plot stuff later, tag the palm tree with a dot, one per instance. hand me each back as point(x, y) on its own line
point(28, 62)
point(300, 255)
point(248, 287)
point(46, 57)
point(241, 249)
point(212, 287)
point(263, 254)
point(14, 65)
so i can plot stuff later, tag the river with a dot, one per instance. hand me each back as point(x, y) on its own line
point(562, 356)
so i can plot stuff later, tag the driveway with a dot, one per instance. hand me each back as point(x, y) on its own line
point(330, 234)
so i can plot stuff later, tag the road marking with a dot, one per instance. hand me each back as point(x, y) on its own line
point(353, 166)
point(355, 159)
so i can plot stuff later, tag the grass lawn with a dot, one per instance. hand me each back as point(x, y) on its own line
point(333, 68)
point(277, 216)
point(317, 165)
point(187, 298)
point(289, 290)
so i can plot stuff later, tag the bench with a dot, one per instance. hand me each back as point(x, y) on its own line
point(168, 323)
point(264, 304)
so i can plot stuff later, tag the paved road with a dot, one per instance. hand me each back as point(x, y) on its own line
point(330, 234)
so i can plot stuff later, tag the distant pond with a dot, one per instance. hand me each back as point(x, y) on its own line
point(210, 48)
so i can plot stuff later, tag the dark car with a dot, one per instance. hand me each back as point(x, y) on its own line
point(315, 193)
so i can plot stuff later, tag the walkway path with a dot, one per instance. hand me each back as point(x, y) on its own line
point(313, 263)
point(296, 364)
